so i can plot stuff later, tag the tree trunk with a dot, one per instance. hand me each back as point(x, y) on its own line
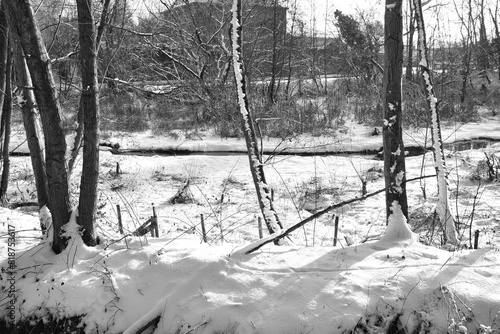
point(484, 62)
point(90, 108)
point(271, 89)
point(4, 33)
point(4, 47)
point(411, 32)
point(77, 143)
point(290, 50)
point(24, 23)
point(5, 124)
point(394, 151)
point(496, 40)
point(443, 205)
point(465, 71)
point(32, 128)
point(256, 167)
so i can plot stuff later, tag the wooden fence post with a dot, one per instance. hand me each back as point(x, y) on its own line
point(476, 239)
point(259, 224)
point(154, 225)
point(119, 214)
point(203, 230)
point(336, 230)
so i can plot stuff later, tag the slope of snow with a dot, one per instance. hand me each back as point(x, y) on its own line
point(277, 290)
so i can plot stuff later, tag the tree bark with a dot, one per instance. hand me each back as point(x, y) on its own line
point(411, 32)
point(484, 62)
point(496, 40)
point(77, 143)
point(443, 206)
point(256, 167)
point(90, 108)
point(31, 123)
point(24, 24)
point(394, 151)
point(5, 124)
point(4, 46)
point(4, 33)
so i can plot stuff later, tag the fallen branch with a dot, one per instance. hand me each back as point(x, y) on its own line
point(149, 322)
point(151, 225)
point(283, 233)
point(144, 228)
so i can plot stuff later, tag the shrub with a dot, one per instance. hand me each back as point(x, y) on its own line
point(123, 111)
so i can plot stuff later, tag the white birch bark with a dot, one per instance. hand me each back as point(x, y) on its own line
point(263, 193)
point(443, 206)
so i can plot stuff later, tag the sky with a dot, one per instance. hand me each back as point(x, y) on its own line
point(318, 8)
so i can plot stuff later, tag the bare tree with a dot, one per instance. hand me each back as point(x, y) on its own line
point(77, 144)
point(394, 151)
point(256, 167)
point(90, 108)
point(24, 23)
point(5, 123)
point(4, 78)
point(496, 40)
point(31, 121)
point(468, 35)
point(483, 50)
point(411, 33)
point(277, 61)
point(443, 206)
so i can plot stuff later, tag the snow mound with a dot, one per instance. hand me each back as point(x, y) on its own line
point(186, 286)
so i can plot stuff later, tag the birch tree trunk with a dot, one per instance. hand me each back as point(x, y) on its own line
point(23, 23)
point(263, 193)
point(443, 206)
point(31, 123)
point(394, 151)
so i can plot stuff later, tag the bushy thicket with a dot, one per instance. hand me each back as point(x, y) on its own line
point(308, 111)
point(123, 111)
point(311, 109)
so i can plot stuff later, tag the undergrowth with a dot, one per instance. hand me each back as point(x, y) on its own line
point(459, 317)
point(46, 325)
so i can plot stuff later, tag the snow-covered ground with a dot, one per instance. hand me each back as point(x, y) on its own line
point(305, 286)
